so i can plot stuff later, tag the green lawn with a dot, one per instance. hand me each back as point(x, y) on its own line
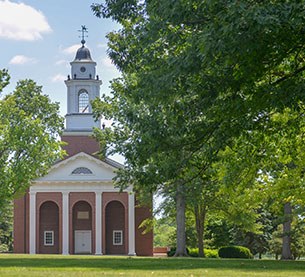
point(56, 265)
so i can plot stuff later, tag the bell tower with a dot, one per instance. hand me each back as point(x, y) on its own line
point(83, 85)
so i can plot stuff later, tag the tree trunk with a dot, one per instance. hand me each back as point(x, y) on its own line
point(286, 251)
point(200, 212)
point(180, 221)
point(260, 256)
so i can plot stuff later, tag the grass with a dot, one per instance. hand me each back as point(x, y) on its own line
point(57, 265)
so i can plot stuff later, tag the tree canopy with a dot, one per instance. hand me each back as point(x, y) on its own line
point(29, 144)
point(200, 78)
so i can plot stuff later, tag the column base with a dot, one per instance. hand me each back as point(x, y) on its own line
point(99, 254)
point(132, 254)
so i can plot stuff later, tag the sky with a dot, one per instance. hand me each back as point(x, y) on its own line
point(39, 39)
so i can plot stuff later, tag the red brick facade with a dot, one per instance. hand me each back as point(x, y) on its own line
point(49, 215)
point(77, 144)
point(143, 243)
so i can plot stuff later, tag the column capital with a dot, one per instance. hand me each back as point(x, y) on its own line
point(65, 192)
point(32, 192)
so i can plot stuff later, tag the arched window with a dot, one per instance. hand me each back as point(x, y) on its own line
point(83, 102)
point(82, 170)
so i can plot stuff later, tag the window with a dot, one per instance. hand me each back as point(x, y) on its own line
point(82, 170)
point(117, 237)
point(83, 102)
point(48, 238)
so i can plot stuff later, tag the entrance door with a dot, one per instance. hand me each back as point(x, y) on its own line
point(82, 242)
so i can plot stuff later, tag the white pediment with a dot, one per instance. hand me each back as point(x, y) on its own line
point(79, 168)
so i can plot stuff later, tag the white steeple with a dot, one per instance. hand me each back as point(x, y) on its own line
point(82, 87)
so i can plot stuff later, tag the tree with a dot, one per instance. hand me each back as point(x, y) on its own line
point(6, 228)
point(29, 130)
point(163, 232)
point(196, 75)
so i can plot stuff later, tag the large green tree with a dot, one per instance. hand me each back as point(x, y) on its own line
point(29, 137)
point(195, 76)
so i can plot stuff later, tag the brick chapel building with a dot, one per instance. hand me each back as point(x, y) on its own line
point(75, 208)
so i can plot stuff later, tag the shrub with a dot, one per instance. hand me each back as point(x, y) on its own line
point(208, 253)
point(3, 248)
point(211, 253)
point(235, 252)
point(172, 252)
point(193, 252)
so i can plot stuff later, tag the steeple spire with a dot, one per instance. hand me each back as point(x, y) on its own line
point(84, 30)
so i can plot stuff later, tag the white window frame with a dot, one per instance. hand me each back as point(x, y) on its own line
point(45, 237)
point(113, 237)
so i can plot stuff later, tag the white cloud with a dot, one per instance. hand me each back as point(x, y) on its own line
point(107, 62)
point(21, 22)
point(71, 50)
point(58, 78)
point(61, 62)
point(102, 45)
point(20, 59)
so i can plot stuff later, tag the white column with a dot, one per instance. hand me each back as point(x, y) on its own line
point(131, 224)
point(98, 223)
point(32, 222)
point(65, 223)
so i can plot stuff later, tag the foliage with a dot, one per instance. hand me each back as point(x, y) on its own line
point(6, 228)
point(256, 242)
point(205, 86)
point(4, 79)
point(163, 231)
point(29, 129)
point(276, 242)
point(208, 253)
point(218, 232)
point(235, 252)
point(298, 239)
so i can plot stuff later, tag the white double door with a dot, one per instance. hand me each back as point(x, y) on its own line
point(82, 242)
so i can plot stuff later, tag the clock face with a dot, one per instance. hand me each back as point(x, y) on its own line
point(83, 69)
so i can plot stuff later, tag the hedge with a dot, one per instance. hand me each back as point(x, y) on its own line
point(208, 253)
point(235, 252)
point(193, 252)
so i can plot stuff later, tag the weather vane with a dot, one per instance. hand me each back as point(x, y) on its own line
point(84, 30)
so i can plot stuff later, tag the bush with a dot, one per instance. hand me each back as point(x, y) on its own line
point(193, 252)
point(3, 248)
point(208, 253)
point(211, 253)
point(172, 252)
point(235, 252)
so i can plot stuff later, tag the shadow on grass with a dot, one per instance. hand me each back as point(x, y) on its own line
point(138, 263)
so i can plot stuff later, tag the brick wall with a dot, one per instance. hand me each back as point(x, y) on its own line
point(77, 144)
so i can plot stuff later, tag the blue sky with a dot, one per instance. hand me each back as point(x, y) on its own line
point(39, 38)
